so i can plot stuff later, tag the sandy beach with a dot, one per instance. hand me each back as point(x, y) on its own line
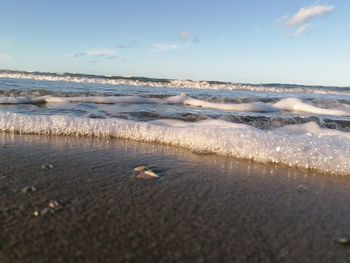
point(202, 208)
point(174, 131)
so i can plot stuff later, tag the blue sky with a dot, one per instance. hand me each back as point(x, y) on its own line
point(254, 41)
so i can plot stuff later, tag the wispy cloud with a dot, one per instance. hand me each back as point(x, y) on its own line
point(5, 57)
point(301, 21)
point(188, 36)
point(282, 20)
point(97, 53)
point(301, 30)
point(305, 14)
point(165, 47)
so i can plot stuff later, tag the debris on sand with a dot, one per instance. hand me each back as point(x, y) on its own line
point(54, 204)
point(41, 212)
point(302, 188)
point(52, 207)
point(28, 189)
point(144, 172)
point(344, 242)
point(47, 166)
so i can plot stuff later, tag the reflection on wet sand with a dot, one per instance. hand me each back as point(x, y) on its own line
point(91, 205)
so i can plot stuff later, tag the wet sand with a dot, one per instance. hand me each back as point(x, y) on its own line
point(202, 208)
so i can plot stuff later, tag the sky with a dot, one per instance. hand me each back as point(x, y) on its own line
point(249, 41)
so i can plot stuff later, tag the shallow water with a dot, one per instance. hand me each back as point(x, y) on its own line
point(302, 126)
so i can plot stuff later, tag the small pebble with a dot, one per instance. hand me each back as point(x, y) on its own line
point(47, 166)
point(36, 213)
point(28, 189)
point(54, 205)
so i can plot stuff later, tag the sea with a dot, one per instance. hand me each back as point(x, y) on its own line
point(307, 127)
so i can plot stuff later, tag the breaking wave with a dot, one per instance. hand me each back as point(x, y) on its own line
point(288, 104)
point(305, 146)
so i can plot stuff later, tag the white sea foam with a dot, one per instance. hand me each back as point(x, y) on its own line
point(289, 104)
point(101, 99)
point(86, 99)
point(173, 83)
point(312, 129)
point(295, 105)
point(245, 107)
point(291, 146)
point(16, 100)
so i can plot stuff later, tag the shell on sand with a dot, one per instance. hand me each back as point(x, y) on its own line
point(147, 175)
point(150, 173)
point(143, 172)
point(140, 168)
point(47, 166)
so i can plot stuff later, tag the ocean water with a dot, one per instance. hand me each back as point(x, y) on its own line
point(301, 126)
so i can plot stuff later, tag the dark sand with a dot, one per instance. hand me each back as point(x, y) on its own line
point(203, 208)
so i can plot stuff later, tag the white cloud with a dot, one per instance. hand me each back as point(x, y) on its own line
point(165, 47)
point(4, 57)
point(305, 14)
point(301, 21)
